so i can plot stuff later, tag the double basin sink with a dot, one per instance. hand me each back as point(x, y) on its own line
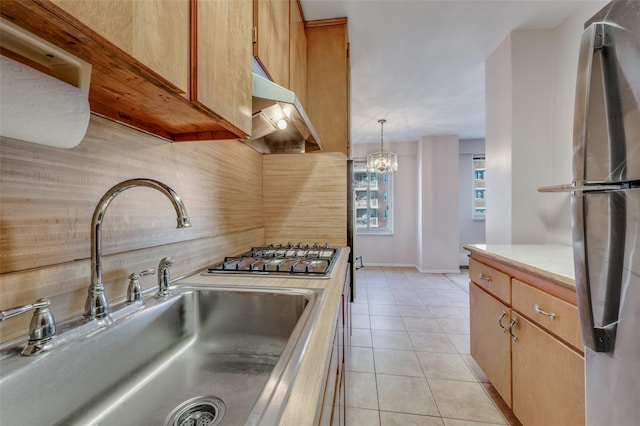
point(206, 355)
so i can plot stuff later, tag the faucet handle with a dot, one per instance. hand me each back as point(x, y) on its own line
point(134, 291)
point(41, 328)
point(164, 274)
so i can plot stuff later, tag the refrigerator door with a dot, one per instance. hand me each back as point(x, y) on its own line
point(607, 111)
point(607, 263)
point(612, 377)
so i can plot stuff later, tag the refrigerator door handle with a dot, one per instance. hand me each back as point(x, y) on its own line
point(592, 39)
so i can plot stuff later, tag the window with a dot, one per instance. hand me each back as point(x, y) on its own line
point(373, 200)
point(479, 188)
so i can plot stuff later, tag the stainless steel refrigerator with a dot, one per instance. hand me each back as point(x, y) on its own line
point(606, 212)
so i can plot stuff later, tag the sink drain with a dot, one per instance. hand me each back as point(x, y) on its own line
point(198, 411)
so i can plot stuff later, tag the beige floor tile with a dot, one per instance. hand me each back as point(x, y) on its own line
point(380, 292)
point(407, 298)
point(443, 312)
point(419, 311)
point(360, 309)
point(475, 368)
point(362, 391)
point(361, 360)
point(402, 363)
point(456, 422)
point(405, 395)
point(456, 326)
point(431, 342)
point(426, 325)
point(464, 401)
point(381, 300)
point(445, 366)
point(436, 301)
point(361, 337)
point(386, 323)
point(390, 339)
point(362, 417)
point(461, 342)
point(360, 321)
point(388, 418)
point(384, 310)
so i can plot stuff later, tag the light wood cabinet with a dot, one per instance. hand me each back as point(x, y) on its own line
point(271, 38)
point(223, 65)
point(547, 376)
point(528, 343)
point(490, 340)
point(328, 82)
point(155, 32)
point(333, 410)
point(149, 69)
point(298, 54)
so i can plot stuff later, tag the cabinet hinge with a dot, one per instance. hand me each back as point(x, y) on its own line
point(255, 34)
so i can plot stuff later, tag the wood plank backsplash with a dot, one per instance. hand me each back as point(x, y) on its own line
point(236, 198)
point(305, 198)
point(48, 195)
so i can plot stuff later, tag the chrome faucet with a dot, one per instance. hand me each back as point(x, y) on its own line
point(97, 305)
point(42, 327)
point(163, 277)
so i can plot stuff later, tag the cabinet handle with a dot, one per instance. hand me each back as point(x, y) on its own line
point(484, 277)
point(514, 321)
point(502, 315)
point(541, 312)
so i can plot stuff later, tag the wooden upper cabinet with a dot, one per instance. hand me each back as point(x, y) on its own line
point(179, 69)
point(155, 32)
point(223, 63)
point(298, 54)
point(328, 82)
point(271, 38)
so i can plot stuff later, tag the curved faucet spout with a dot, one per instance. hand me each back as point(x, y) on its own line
point(97, 305)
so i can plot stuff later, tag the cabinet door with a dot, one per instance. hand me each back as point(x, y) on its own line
point(548, 378)
point(224, 60)
point(271, 43)
point(155, 32)
point(328, 83)
point(298, 54)
point(490, 343)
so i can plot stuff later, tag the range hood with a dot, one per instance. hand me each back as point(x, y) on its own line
point(275, 107)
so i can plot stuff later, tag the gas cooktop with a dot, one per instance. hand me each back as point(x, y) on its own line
point(299, 260)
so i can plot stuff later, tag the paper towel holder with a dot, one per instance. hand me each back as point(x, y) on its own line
point(58, 62)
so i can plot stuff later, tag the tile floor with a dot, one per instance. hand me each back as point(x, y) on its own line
point(410, 362)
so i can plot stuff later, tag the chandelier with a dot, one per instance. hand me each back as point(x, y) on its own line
point(382, 161)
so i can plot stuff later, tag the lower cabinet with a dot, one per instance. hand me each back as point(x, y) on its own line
point(548, 377)
point(524, 340)
point(490, 341)
point(334, 404)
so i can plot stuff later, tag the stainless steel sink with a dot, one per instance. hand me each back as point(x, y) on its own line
point(204, 352)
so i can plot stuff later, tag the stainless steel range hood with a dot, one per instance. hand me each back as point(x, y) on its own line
point(275, 106)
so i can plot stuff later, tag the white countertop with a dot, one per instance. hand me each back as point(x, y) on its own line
point(547, 260)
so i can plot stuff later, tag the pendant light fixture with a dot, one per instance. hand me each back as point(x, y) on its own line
point(382, 162)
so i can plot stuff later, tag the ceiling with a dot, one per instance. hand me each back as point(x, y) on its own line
point(420, 63)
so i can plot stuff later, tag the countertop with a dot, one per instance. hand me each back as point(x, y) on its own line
point(305, 394)
point(552, 262)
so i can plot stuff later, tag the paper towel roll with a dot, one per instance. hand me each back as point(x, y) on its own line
point(38, 108)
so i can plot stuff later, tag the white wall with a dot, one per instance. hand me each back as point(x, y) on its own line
point(498, 107)
point(439, 230)
point(400, 248)
point(530, 81)
point(471, 231)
